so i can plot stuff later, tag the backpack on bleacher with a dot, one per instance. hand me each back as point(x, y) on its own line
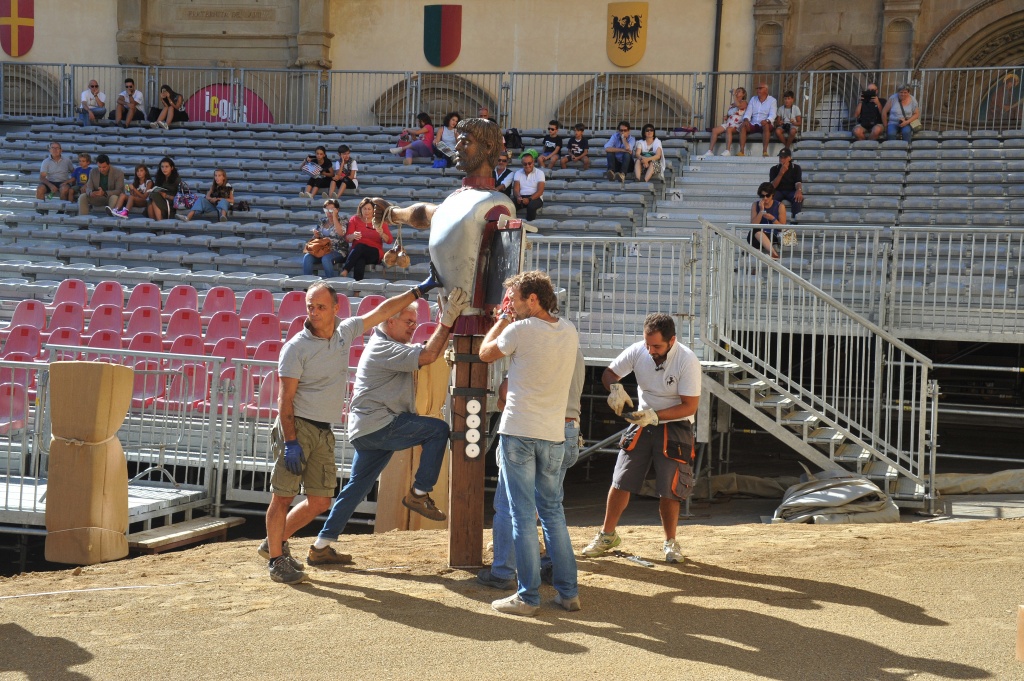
point(513, 140)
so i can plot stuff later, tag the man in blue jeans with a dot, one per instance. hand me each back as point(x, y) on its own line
point(619, 150)
point(382, 418)
point(531, 434)
point(502, 573)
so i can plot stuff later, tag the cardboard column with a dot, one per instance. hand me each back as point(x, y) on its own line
point(466, 491)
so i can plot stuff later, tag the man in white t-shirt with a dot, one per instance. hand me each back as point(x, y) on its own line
point(661, 433)
point(528, 185)
point(129, 105)
point(758, 117)
point(531, 434)
point(92, 104)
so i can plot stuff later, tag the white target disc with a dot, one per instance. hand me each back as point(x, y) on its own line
point(473, 406)
point(473, 421)
point(472, 435)
point(472, 451)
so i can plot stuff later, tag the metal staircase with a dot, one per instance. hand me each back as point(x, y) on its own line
point(821, 378)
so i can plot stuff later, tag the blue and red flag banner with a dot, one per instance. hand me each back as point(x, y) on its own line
point(442, 33)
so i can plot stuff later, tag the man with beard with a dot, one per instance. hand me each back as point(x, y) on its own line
point(660, 434)
point(462, 225)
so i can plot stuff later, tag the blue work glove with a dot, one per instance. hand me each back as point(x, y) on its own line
point(293, 457)
point(428, 284)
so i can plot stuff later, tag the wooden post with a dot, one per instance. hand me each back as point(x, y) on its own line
point(466, 481)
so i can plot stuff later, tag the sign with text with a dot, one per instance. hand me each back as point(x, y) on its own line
point(219, 103)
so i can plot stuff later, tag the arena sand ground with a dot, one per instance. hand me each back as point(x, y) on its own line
point(794, 603)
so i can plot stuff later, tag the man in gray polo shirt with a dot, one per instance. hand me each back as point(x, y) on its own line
point(53, 171)
point(383, 418)
point(313, 377)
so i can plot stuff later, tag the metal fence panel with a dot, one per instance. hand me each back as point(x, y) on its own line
point(209, 93)
point(34, 89)
point(570, 98)
point(293, 97)
point(986, 98)
point(828, 99)
point(23, 429)
point(370, 98)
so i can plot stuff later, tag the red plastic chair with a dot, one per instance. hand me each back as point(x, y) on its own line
point(294, 327)
point(262, 327)
point(256, 301)
point(268, 351)
point(23, 339)
point(422, 311)
point(27, 313)
point(21, 376)
point(185, 345)
point(70, 291)
point(62, 336)
point(66, 315)
point(293, 306)
point(146, 341)
point(183, 322)
point(264, 402)
point(354, 353)
point(218, 299)
point(181, 297)
point(105, 318)
point(13, 407)
point(107, 293)
point(222, 325)
point(423, 332)
point(229, 349)
point(103, 340)
point(368, 303)
point(148, 383)
point(344, 306)
point(144, 319)
point(143, 295)
point(188, 390)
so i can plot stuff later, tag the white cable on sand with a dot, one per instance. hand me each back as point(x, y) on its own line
point(101, 588)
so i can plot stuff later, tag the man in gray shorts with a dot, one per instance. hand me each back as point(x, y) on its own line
point(661, 433)
point(313, 377)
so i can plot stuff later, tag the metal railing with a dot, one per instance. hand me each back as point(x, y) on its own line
point(24, 426)
point(612, 285)
point(864, 382)
point(980, 98)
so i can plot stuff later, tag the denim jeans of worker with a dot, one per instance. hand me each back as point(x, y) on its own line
point(504, 564)
point(327, 261)
point(620, 162)
point(532, 476)
point(98, 111)
point(203, 205)
point(373, 451)
point(906, 132)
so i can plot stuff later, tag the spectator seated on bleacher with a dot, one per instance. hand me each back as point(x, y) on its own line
point(423, 145)
point(104, 188)
point(758, 118)
point(165, 186)
point(870, 122)
point(650, 157)
point(330, 228)
point(366, 242)
point(788, 119)
point(171, 110)
point(445, 139)
point(129, 105)
point(903, 114)
point(767, 211)
point(92, 105)
point(80, 176)
point(619, 153)
point(577, 148)
point(731, 121)
point(136, 194)
point(503, 175)
point(55, 174)
point(552, 147)
point(218, 199)
point(787, 180)
point(528, 185)
point(345, 170)
point(320, 172)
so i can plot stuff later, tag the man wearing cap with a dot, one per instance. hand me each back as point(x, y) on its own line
point(787, 178)
point(528, 185)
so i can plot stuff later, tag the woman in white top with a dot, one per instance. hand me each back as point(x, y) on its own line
point(902, 112)
point(649, 155)
point(445, 138)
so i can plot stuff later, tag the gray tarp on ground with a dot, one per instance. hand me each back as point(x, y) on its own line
point(832, 498)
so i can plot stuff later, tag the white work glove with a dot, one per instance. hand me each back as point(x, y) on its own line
point(454, 304)
point(647, 417)
point(618, 399)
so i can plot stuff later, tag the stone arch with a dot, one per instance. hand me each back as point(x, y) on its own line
point(439, 93)
point(830, 98)
point(30, 90)
point(630, 97)
point(991, 33)
point(768, 47)
point(898, 44)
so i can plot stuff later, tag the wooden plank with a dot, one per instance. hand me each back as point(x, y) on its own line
point(181, 534)
point(466, 479)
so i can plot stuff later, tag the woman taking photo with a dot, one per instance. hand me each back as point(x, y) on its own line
point(366, 243)
point(165, 186)
point(766, 211)
point(172, 108)
point(330, 228)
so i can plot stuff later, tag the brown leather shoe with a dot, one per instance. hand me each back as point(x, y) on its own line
point(423, 505)
point(327, 556)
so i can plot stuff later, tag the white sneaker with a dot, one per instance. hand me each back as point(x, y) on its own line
point(601, 544)
point(154, 125)
point(673, 554)
point(707, 154)
point(513, 605)
point(162, 125)
point(726, 153)
point(305, 195)
point(397, 151)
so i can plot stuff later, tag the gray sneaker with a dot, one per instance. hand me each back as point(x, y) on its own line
point(264, 552)
point(281, 570)
point(570, 604)
point(601, 544)
point(487, 578)
point(514, 605)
